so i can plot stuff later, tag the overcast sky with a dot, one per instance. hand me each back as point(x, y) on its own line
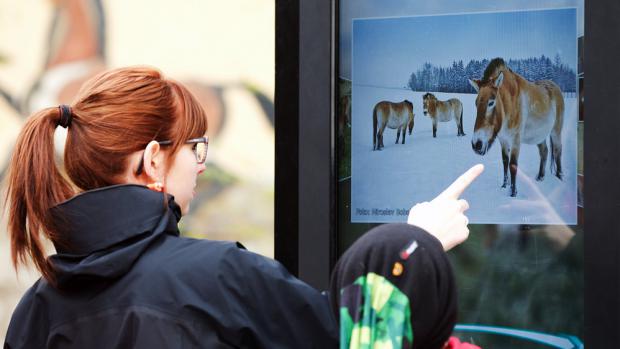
point(386, 51)
point(465, 27)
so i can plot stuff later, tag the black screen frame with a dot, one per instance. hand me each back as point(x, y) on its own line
point(305, 201)
point(305, 207)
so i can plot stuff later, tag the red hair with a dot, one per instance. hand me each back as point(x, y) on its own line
point(115, 114)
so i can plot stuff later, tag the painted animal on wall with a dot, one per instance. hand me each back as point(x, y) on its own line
point(516, 111)
point(443, 111)
point(397, 116)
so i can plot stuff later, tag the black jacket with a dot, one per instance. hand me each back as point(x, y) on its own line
point(127, 280)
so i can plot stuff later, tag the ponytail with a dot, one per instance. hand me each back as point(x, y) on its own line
point(115, 114)
point(35, 184)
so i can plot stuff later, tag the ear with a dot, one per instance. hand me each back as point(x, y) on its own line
point(499, 79)
point(475, 84)
point(153, 162)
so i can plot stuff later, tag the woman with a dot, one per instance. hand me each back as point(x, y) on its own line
point(122, 276)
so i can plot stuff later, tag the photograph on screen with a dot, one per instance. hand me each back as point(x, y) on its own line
point(431, 96)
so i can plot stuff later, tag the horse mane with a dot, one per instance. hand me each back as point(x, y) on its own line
point(495, 65)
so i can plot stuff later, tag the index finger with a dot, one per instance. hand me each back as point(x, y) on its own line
point(460, 184)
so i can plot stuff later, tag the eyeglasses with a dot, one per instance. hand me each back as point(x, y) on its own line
point(201, 145)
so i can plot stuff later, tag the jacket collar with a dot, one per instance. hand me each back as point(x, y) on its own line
point(98, 219)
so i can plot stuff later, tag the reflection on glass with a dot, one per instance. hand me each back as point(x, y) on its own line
point(520, 274)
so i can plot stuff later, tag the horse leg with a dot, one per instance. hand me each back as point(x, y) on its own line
point(514, 159)
point(375, 141)
point(398, 135)
point(505, 150)
point(434, 128)
point(556, 154)
point(556, 134)
point(381, 137)
point(461, 122)
point(404, 133)
point(375, 135)
point(543, 151)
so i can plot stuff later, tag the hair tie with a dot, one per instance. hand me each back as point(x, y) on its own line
point(66, 115)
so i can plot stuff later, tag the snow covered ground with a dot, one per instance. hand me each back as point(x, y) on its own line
point(385, 184)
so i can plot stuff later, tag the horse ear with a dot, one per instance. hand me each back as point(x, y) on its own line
point(499, 79)
point(475, 84)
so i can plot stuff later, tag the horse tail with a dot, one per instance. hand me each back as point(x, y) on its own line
point(374, 128)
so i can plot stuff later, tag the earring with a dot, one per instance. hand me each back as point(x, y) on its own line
point(156, 186)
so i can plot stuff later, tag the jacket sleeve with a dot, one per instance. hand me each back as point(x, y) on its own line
point(29, 325)
point(276, 310)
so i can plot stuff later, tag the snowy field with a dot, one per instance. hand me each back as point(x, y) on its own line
point(386, 183)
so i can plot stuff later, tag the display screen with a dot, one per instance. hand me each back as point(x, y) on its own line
point(428, 90)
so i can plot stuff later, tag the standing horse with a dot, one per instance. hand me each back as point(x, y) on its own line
point(393, 115)
point(517, 111)
point(444, 111)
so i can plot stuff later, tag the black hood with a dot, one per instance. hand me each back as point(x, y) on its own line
point(105, 230)
point(410, 260)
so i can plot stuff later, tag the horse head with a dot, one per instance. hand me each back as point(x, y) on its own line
point(429, 102)
point(489, 113)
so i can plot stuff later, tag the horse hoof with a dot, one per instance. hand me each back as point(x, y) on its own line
point(513, 193)
point(540, 178)
point(559, 175)
point(504, 185)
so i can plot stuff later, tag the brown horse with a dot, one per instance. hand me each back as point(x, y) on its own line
point(444, 111)
point(393, 115)
point(517, 111)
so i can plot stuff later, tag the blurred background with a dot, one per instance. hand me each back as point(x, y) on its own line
point(222, 50)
